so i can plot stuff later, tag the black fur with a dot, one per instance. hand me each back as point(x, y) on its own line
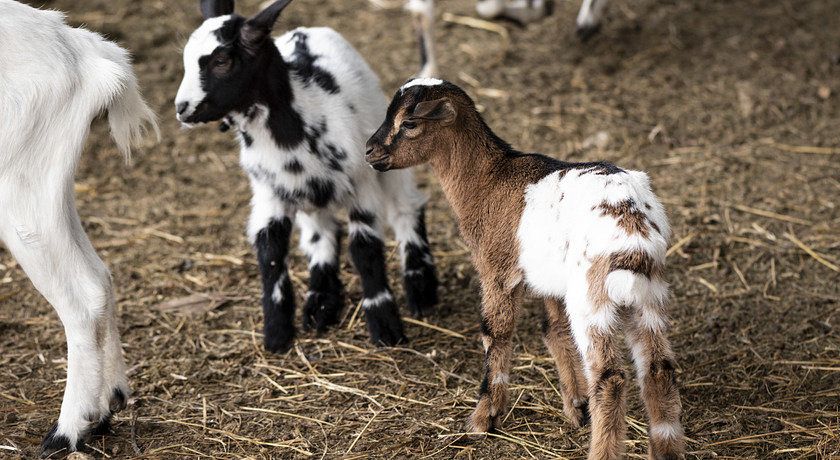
point(272, 245)
point(420, 280)
point(383, 320)
point(54, 443)
point(326, 293)
point(303, 64)
point(246, 138)
point(293, 166)
point(320, 192)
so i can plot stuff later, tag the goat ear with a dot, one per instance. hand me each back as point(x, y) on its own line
point(440, 110)
point(213, 8)
point(258, 28)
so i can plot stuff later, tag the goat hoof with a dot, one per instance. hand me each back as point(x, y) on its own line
point(588, 31)
point(322, 310)
point(578, 413)
point(118, 400)
point(55, 443)
point(279, 342)
point(385, 325)
point(421, 293)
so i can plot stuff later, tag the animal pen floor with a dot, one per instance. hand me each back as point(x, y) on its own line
point(732, 107)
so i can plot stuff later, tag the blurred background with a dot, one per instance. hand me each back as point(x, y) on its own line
point(730, 106)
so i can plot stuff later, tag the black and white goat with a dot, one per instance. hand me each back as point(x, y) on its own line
point(303, 105)
point(54, 79)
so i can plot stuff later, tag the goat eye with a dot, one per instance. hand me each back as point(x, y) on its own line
point(409, 125)
point(221, 61)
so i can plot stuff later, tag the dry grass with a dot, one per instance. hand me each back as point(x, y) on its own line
point(732, 108)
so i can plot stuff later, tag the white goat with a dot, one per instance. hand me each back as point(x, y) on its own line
point(524, 11)
point(54, 79)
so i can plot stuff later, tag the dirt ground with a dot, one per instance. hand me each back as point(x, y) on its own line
point(732, 107)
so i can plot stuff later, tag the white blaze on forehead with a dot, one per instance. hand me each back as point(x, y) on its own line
point(422, 82)
point(201, 43)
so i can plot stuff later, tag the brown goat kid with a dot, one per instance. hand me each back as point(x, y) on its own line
point(589, 238)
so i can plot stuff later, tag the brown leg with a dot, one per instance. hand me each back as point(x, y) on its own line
point(561, 346)
point(657, 380)
point(498, 318)
point(607, 396)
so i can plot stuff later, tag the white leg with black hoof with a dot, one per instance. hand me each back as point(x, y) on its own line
point(320, 240)
point(49, 243)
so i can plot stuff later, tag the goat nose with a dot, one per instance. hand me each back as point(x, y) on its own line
point(181, 107)
point(369, 151)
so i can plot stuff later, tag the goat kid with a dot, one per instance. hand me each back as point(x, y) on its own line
point(589, 238)
point(303, 105)
point(54, 80)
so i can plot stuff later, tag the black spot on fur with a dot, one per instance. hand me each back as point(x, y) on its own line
point(272, 245)
point(320, 191)
point(303, 63)
point(362, 217)
point(294, 166)
point(485, 385)
point(316, 237)
point(485, 327)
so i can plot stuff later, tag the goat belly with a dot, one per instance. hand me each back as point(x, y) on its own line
point(572, 216)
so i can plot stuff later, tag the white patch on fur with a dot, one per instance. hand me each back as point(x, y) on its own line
point(489, 9)
point(324, 250)
point(666, 430)
point(501, 378)
point(376, 301)
point(422, 82)
point(590, 13)
point(277, 293)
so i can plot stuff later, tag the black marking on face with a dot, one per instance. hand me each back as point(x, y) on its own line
point(316, 237)
point(302, 62)
point(293, 166)
point(272, 246)
point(246, 138)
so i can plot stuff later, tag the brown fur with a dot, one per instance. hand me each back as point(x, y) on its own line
point(659, 390)
point(558, 340)
point(607, 397)
point(630, 218)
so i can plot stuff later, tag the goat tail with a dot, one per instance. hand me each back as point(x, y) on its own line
point(130, 117)
point(423, 12)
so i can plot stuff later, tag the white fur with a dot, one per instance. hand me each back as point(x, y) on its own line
point(562, 230)
point(421, 82)
point(666, 430)
point(377, 300)
point(590, 13)
point(54, 80)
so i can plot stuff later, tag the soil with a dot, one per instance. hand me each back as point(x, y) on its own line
point(732, 108)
